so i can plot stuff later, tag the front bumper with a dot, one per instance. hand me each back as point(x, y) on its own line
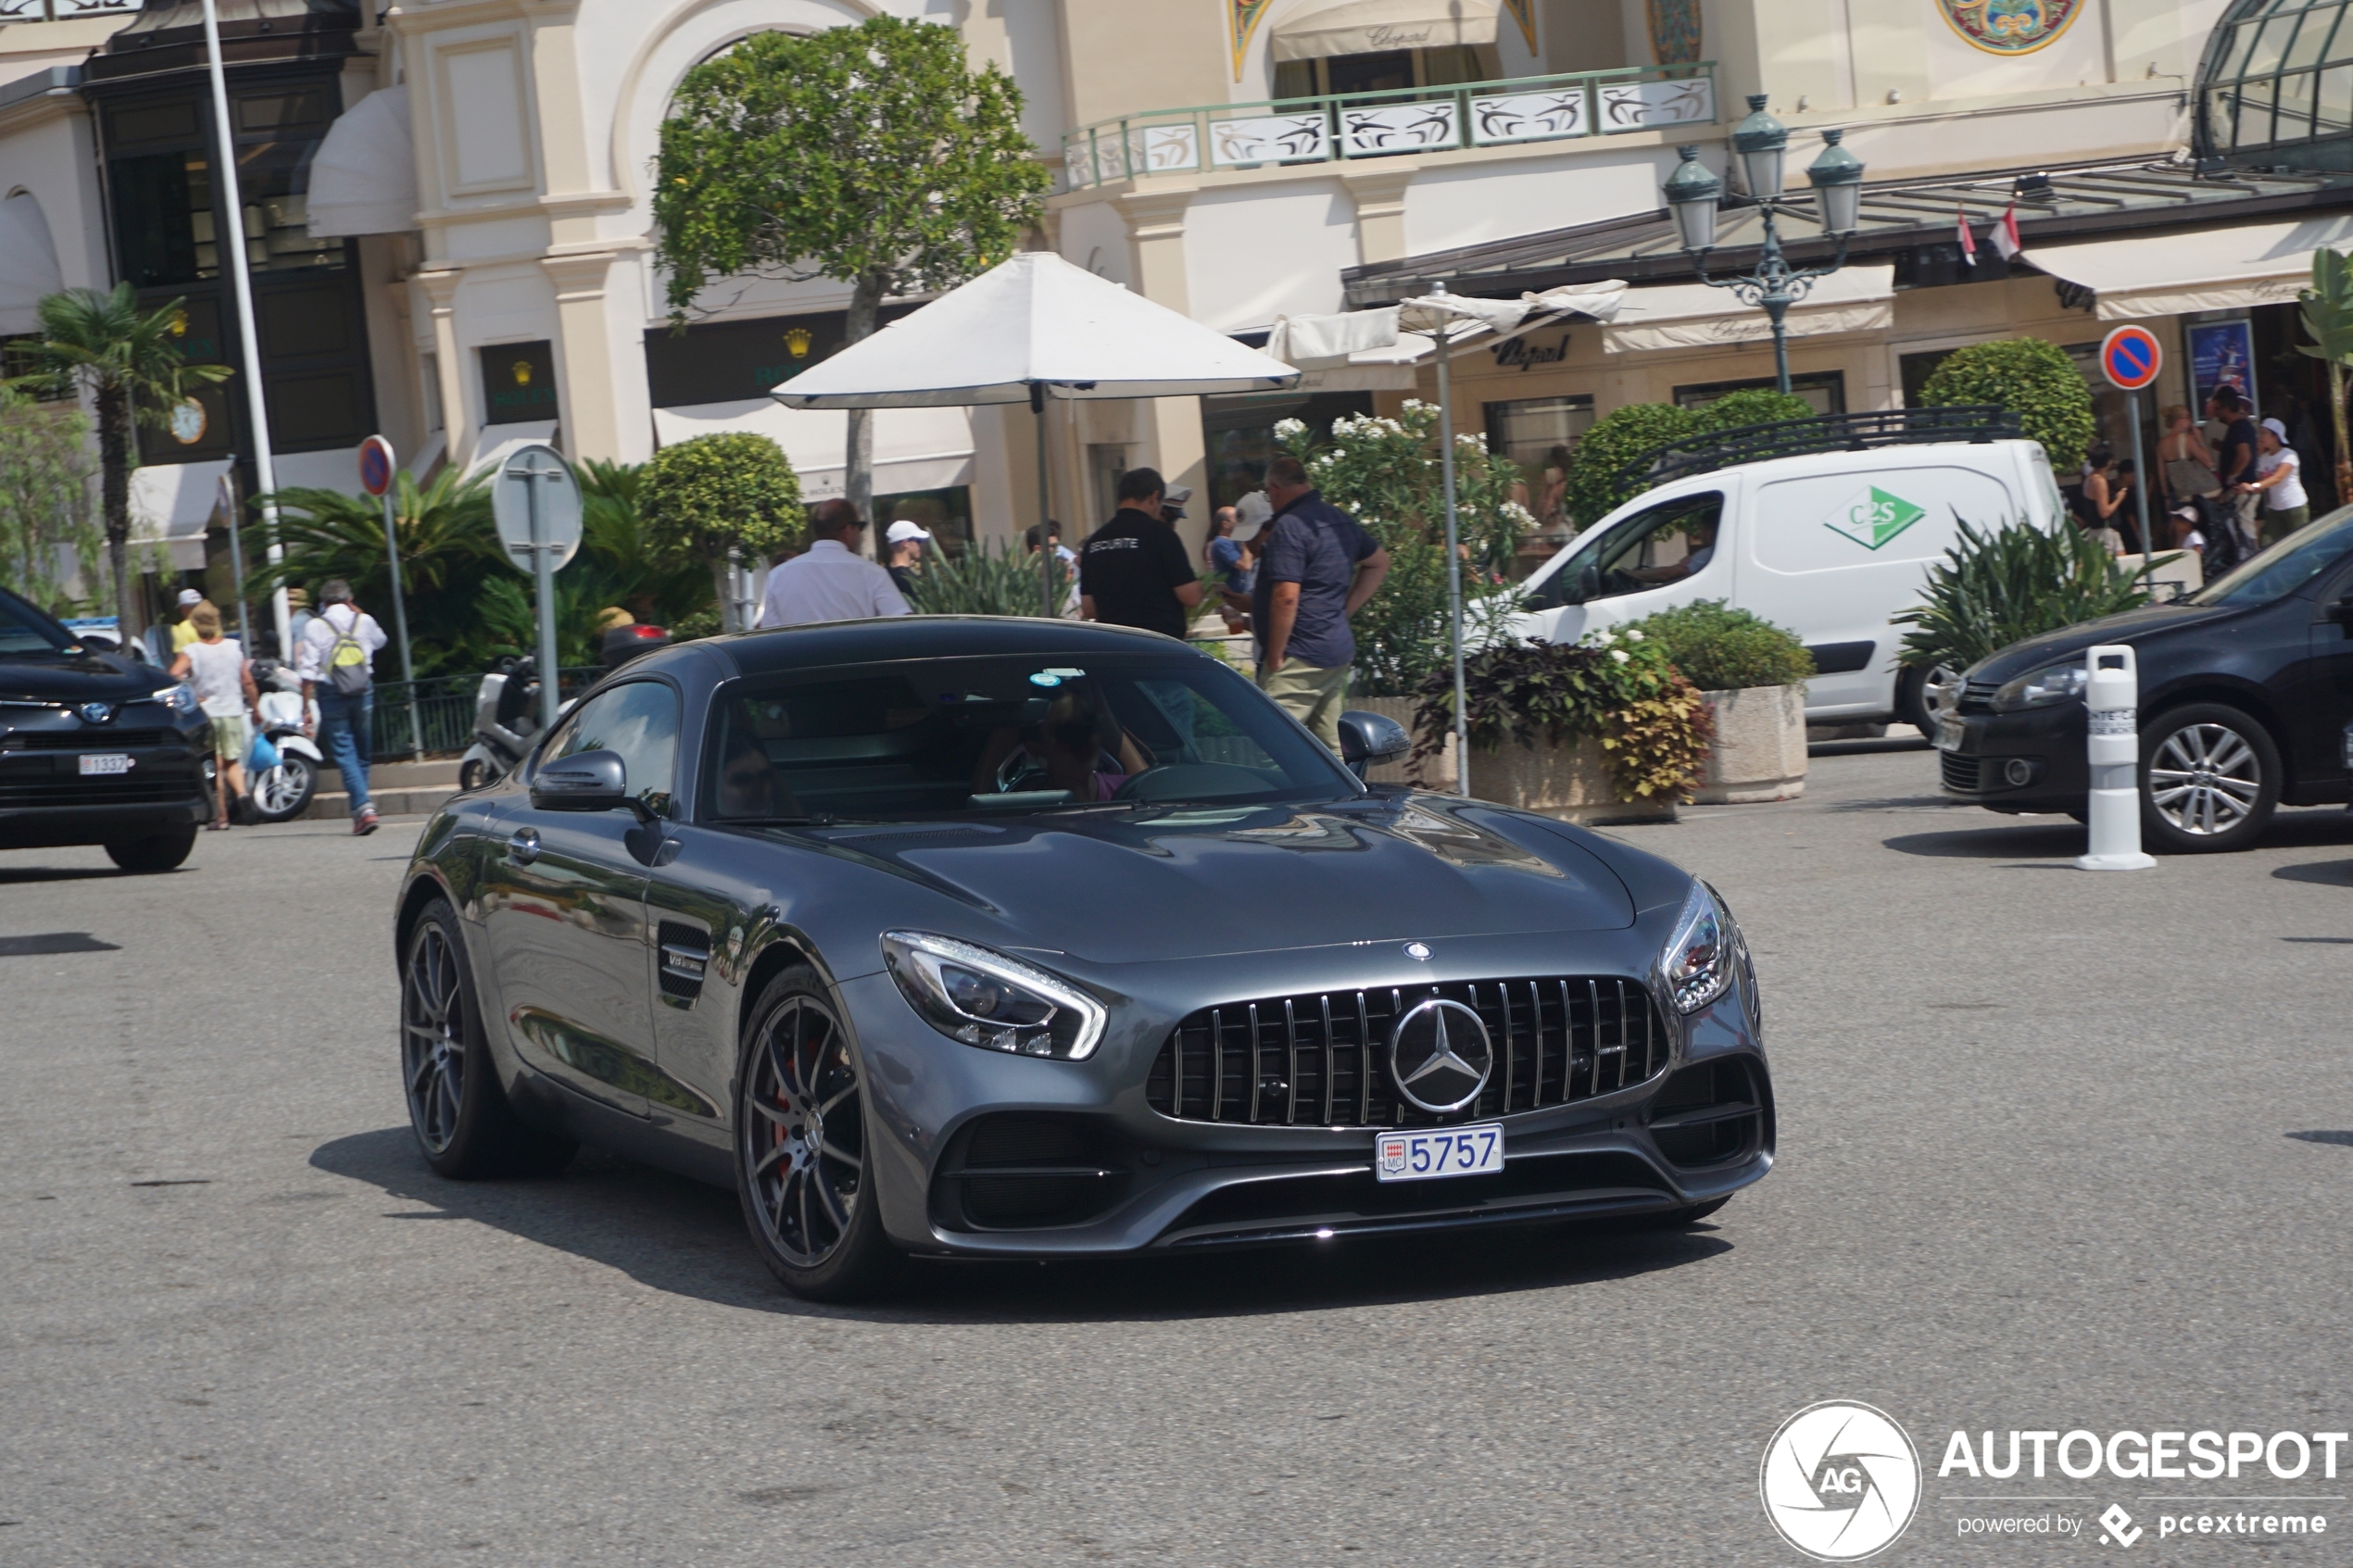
point(983, 1155)
point(45, 800)
point(2032, 762)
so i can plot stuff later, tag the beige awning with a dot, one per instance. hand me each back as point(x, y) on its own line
point(1853, 299)
point(364, 178)
point(2211, 270)
point(1369, 27)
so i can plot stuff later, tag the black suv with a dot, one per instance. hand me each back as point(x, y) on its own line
point(96, 748)
point(2246, 688)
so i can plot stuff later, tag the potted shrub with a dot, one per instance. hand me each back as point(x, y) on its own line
point(1601, 730)
point(1751, 675)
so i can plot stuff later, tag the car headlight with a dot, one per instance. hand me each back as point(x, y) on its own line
point(985, 998)
point(1699, 960)
point(2040, 689)
point(179, 698)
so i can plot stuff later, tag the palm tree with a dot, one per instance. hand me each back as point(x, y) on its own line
point(132, 369)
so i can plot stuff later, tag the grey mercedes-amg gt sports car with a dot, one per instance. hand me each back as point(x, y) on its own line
point(1022, 939)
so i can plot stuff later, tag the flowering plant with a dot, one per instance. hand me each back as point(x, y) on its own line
point(1618, 687)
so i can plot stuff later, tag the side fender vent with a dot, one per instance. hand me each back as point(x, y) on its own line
point(685, 954)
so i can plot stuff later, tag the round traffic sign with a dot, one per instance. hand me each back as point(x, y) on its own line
point(375, 465)
point(2130, 357)
point(535, 491)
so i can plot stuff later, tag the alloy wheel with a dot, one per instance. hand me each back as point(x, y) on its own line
point(275, 790)
point(432, 1039)
point(2204, 779)
point(803, 1132)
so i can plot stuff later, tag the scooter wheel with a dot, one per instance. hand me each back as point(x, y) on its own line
point(473, 774)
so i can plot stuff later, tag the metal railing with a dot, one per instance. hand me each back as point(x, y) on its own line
point(436, 716)
point(1823, 433)
point(1403, 120)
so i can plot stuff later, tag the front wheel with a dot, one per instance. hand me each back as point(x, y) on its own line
point(282, 792)
point(802, 1170)
point(1922, 692)
point(2209, 779)
point(464, 1124)
point(156, 852)
point(473, 774)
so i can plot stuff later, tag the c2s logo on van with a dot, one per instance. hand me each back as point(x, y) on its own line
point(1874, 517)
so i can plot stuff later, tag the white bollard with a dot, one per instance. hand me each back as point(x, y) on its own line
point(2112, 694)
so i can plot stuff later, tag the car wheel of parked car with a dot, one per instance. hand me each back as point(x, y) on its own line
point(1918, 694)
point(463, 1119)
point(2209, 779)
point(801, 1170)
point(156, 852)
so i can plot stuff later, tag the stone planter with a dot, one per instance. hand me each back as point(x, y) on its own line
point(1568, 781)
point(1761, 746)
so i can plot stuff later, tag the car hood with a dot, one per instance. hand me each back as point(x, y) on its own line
point(88, 677)
point(2132, 626)
point(1118, 887)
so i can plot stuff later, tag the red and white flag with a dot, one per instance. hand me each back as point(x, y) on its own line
point(1968, 242)
point(2004, 236)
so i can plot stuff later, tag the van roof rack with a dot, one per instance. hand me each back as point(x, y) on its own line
point(1823, 433)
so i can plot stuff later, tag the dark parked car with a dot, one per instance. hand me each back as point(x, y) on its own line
point(1013, 938)
point(2246, 691)
point(96, 747)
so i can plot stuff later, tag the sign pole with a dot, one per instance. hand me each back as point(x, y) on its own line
point(1454, 563)
point(543, 568)
point(236, 552)
point(2141, 497)
point(535, 502)
point(376, 475)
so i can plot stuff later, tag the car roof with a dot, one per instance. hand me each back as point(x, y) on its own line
point(920, 636)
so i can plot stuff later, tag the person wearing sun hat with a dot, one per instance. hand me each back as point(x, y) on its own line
point(2279, 479)
point(183, 631)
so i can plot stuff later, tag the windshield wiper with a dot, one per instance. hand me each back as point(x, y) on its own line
point(815, 820)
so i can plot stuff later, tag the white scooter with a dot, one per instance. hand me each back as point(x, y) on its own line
point(282, 792)
point(506, 724)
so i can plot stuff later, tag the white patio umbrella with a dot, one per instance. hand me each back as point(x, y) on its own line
point(1402, 334)
point(1031, 328)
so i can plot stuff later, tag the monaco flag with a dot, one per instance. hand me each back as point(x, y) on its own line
point(1968, 241)
point(2004, 236)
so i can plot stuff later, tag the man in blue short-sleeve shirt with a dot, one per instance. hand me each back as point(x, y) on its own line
point(1317, 568)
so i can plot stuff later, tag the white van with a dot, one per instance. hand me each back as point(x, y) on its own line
point(1829, 545)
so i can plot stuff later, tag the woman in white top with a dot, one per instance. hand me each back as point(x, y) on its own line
point(215, 668)
point(2279, 479)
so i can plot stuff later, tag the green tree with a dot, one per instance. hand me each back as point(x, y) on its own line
point(615, 552)
point(718, 497)
point(1597, 483)
point(2033, 378)
point(2328, 317)
point(871, 155)
point(130, 366)
point(1754, 406)
point(44, 499)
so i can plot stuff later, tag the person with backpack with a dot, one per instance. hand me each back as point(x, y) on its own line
point(336, 659)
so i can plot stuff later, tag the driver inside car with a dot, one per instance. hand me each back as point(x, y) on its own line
point(1699, 537)
point(748, 783)
point(1078, 746)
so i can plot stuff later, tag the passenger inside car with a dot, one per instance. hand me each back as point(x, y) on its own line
point(748, 781)
point(1078, 746)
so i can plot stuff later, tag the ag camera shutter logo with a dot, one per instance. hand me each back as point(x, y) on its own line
point(1841, 1481)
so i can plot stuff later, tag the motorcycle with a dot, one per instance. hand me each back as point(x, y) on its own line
point(506, 724)
point(282, 792)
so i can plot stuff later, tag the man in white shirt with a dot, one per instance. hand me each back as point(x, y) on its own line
point(830, 581)
point(343, 637)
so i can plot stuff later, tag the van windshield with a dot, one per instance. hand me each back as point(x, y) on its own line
point(1657, 546)
point(2285, 567)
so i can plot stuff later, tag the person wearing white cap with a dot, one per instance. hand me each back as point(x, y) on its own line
point(906, 541)
point(2279, 479)
point(183, 631)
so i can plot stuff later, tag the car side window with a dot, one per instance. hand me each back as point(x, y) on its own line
point(1659, 545)
point(639, 721)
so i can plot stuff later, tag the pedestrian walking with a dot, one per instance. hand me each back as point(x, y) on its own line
point(2234, 456)
point(1317, 568)
point(218, 673)
point(1135, 570)
point(336, 661)
point(831, 579)
point(908, 542)
point(2279, 481)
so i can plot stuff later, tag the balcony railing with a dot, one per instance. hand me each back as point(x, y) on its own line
point(63, 10)
point(1411, 119)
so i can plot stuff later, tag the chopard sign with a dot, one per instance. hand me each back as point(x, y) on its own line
point(1384, 37)
point(1519, 354)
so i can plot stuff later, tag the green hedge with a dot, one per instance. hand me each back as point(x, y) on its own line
point(1722, 649)
point(2033, 378)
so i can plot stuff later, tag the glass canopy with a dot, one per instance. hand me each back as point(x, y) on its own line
point(2275, 88)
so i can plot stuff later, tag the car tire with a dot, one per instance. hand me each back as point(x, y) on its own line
point(282, 792)
point(802, 1174)
point(157, 852)
point(1912, 704)
point(2209, 779)
point(465, 1126)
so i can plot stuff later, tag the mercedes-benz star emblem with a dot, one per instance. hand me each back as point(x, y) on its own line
point(1439, 1055)
point(96, 713)
point(1417, 952)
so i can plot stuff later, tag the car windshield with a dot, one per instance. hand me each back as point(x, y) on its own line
point(986, 736)
point(25, 633)
point(2285, 567)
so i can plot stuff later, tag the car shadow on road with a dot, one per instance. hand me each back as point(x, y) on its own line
point(681, 1237)
point(11, 875)
point(2054, 840)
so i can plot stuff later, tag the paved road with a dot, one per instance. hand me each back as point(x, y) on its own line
point(2059, 1151)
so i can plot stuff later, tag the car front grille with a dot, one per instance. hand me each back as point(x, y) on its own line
point(1977, 696)
point(100, 792)
point(1321, 1059)
point(1960, 772)
point(86, 740)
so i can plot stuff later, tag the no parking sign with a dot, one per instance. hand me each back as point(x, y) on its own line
point(2129, 359)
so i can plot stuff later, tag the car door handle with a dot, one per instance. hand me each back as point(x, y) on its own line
point(523, 847)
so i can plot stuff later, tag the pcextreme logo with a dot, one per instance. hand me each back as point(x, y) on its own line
point(1874, 517)
point(1841, 1481)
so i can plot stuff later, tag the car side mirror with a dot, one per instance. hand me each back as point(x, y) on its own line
point(1367, 739)
point(2341, 611)
point(587, 780)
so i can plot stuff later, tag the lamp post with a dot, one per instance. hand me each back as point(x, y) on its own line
point(1694, 197)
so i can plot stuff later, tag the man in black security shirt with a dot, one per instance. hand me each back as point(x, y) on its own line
point(1133, 570)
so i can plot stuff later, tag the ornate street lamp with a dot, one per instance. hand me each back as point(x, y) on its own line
point(1760, 142)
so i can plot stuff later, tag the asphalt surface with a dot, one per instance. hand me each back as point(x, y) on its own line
point(2058, 1150)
